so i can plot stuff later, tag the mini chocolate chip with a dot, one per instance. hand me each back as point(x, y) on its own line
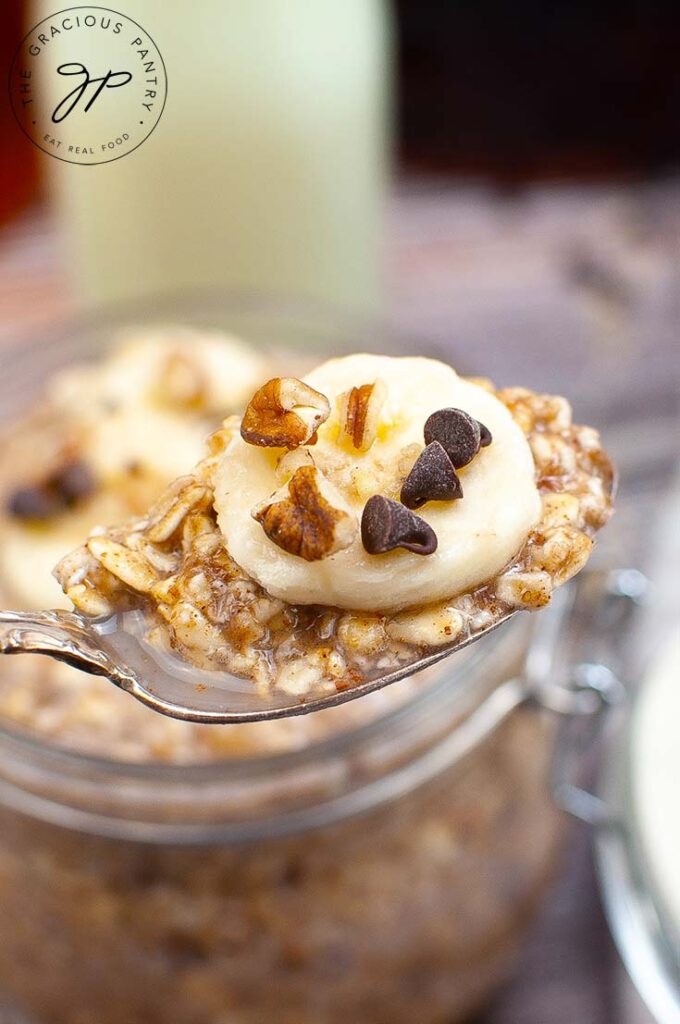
point(485, 436)
point(385, 525)
point(73, 482)
point(46, 499)
point(458, 434)
point(432, 478)
point(37, 503)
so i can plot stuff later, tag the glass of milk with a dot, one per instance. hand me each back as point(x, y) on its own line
point(267, 170)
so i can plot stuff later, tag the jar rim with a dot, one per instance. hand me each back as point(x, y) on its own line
point(240, 800)
point(250, 765)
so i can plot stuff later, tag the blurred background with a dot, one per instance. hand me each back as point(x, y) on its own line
point(478, 175)
point(497, 183)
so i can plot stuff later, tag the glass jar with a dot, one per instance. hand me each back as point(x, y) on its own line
point(383, 875)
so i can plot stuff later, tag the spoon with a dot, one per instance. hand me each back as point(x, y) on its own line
point(115, 648)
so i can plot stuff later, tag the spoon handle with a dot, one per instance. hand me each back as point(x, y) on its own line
point(58, 634)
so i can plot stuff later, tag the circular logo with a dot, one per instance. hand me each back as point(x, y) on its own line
point(87, 85)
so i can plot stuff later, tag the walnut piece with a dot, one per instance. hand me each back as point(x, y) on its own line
point(360, 410)
point(181, 381)
point(284, 413)
point(304, 521)
point(291, 461)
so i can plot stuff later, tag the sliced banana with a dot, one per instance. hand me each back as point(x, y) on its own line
point(160, 442)
point(477, 535)
point(27, 557)
point(150, 368)
point(127, 424)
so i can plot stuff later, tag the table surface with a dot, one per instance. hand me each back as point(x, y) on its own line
point(541, 287)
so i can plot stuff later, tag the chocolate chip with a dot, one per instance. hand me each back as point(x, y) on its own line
point(385, 525)
point(485, 436)
point(432, 478)
point(61, 490)
point(458, 434)
point(73, 482)
point(38, 503)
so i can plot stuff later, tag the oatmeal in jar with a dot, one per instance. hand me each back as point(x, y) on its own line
point(382, 875)
point(366, 863)
point(351, 521)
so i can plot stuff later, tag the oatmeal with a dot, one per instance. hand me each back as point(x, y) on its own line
point(352, 521)
point(153, 870)
point(412, 912)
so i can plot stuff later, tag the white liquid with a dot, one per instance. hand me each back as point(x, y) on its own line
point(656, 776)
point(267, 170)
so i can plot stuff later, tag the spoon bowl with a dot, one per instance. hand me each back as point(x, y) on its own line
point(116, 649)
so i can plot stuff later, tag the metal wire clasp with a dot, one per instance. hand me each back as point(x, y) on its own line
point(590, 692)
point(594, 692)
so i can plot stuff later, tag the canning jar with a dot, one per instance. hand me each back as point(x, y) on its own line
point(385, 874)
point(381, 874)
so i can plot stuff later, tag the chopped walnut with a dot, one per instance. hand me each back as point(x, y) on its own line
point(290, 462)
point(360, 410)
point(181, 381)
point(305, 521)
point(284, 413)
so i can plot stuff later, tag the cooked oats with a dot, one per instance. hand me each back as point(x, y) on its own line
point(212, 612)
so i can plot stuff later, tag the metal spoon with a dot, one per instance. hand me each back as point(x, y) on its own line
point(115, 648)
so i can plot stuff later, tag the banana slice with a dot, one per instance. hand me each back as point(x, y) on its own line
point(146, 408)
point(27, 557)
point(173, 367)
point(161, 442)
point(478, 535)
